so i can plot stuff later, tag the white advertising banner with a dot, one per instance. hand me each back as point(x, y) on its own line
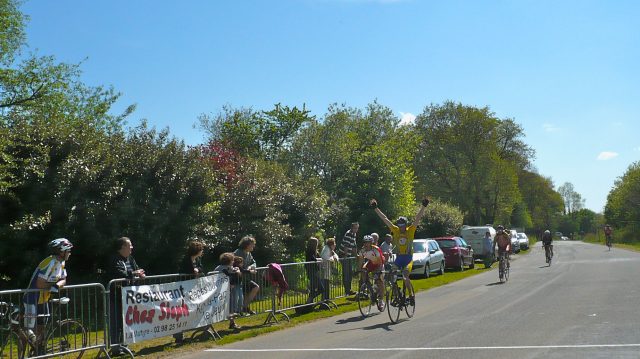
point(158, 310)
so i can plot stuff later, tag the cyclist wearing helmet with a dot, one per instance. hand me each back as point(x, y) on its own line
point(49, 276)
point(608, 231)
point(546, 242)
point(503, 242)
point(373, 263)
point(403, 235)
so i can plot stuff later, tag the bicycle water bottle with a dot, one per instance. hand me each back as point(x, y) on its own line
point(31, 335)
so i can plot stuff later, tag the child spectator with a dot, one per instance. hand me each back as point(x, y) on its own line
point(226, 267)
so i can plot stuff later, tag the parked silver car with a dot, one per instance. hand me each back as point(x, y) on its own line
point(515, 242)
point(427, 257)
point(524, 240)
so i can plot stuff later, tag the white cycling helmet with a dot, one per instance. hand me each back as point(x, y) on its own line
point(367, 238)
point(59, 245)
point(547, 232)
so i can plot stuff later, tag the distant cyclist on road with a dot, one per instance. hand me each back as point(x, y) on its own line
point(503, 242)
point(547, 240)
point(403, 235)
point(608, 232)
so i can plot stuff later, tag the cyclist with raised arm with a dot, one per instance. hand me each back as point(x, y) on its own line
point(371, 259)
point(49, 276)
point(547, 240)
point(503, 242)
point(403, 235)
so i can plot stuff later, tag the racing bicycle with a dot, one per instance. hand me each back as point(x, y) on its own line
point(61, 336)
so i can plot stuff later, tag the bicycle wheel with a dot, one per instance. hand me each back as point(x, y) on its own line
point(394, 303)
point(410, 301)
point(68, 335)
point(365, 299)
point(13, 347)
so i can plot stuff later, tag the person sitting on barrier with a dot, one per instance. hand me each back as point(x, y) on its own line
point(121, 265)
point(191, 265)
point(226, 266)
point(329, 260)
point(49, 276)
point(246, 246)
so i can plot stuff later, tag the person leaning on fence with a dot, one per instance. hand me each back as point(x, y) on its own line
point(348, 248)
point(121, 265)
point(226, 267)
point(329, 261)
point(237, 292)
point(246, 246)
point(191, 264)
point(49, 276)
point(312, 267)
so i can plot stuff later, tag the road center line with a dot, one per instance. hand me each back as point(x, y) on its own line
point(576, 346)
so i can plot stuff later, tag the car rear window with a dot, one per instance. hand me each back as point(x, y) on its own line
point(419, 247)
point(446, 243)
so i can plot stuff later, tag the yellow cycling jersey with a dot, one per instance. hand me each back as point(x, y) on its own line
point(403, 241)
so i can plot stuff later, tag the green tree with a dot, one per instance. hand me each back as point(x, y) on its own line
point(622, 210)
point(544, 204)
point(469, 157)
point(357, 155)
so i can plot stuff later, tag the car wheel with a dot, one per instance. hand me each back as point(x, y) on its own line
point(461, 265)
point(441, 270)
point(427, 270)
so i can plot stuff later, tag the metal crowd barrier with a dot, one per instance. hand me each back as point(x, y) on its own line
point(75, 323)
point(312, 285)
point(115, 332)
point(91, 317)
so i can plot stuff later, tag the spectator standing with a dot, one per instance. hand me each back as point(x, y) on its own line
point(246, 245)
point(387, 250)
point(312, 257)
point(49, 276)
point(121, 265)
point(192, 261)
point(329, 260)
point(226, 267)
point(348, 249)
point(487, 246)
point(191, 265)
point(376, 239)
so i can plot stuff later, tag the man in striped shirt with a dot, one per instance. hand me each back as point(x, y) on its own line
point(348, 248)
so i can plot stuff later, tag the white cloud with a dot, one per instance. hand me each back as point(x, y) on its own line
point(606, 155)
point(550, 127)
point(407, 118)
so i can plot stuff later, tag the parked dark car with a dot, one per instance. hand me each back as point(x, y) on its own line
point(457, 253)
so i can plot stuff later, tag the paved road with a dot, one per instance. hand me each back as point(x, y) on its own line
point(586, 305)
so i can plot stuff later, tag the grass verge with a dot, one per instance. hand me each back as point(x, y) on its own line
point(592, 238)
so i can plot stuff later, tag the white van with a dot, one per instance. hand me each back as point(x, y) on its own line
point(474, 236)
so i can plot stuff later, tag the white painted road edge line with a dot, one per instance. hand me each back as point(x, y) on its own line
point(577, 346)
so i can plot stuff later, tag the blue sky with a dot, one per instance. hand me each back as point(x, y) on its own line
point(567, 71)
